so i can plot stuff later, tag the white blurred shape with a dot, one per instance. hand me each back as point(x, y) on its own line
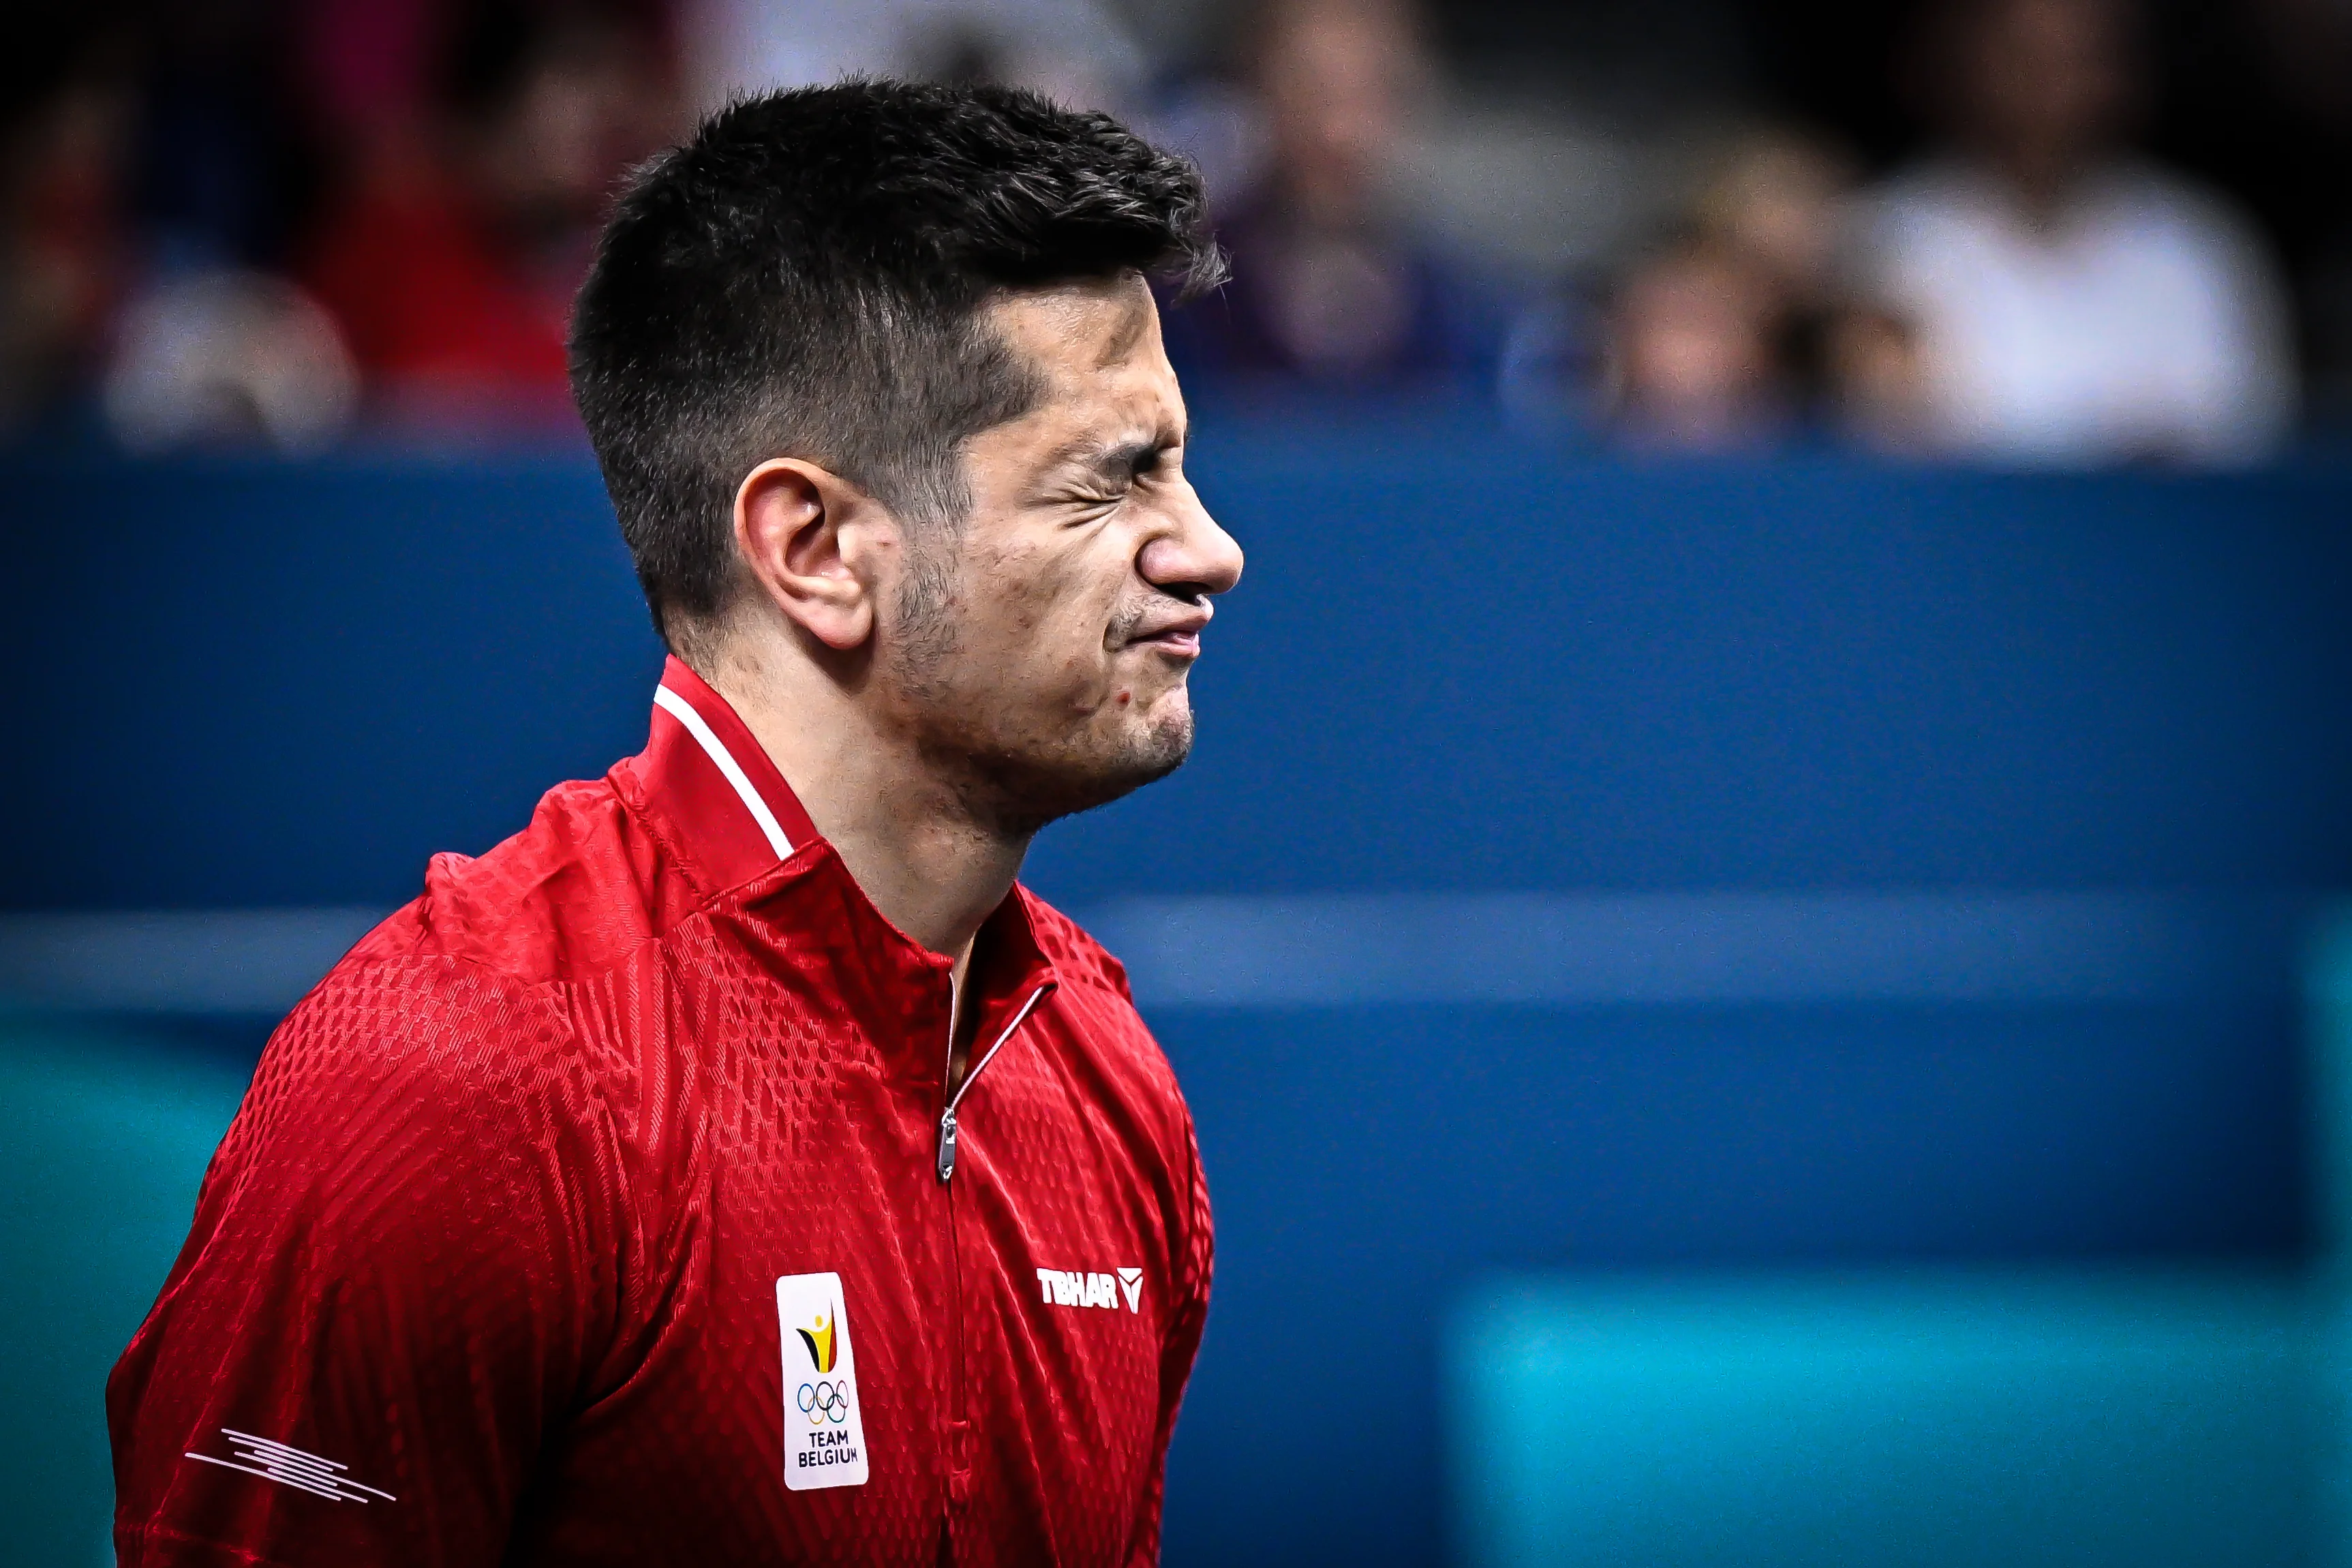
point(229, 356)
point(2143, 321)
point(1075, 52)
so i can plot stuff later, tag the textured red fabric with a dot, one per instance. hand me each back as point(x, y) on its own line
point(499, 1224)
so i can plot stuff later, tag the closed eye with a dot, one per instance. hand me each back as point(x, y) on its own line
point(1107, 473)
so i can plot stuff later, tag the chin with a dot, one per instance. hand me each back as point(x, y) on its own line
point(1158, 749)
point(1146, 751)
point(1025, 792)
point(1014, 778)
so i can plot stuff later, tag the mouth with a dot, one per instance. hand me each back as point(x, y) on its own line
point(1178, 636)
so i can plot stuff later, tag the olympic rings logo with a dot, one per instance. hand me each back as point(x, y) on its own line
point(825, 1401)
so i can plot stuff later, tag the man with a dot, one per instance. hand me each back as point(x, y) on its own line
point(737, 1166)
point(1338, 284)
point(2071, 305)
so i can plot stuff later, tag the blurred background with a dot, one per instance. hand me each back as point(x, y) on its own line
point(1752, 932)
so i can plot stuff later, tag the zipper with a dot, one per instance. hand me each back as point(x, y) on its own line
point(958, 1477)
point(972, 1076)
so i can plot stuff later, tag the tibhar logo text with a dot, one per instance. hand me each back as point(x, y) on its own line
point(1063, 1288)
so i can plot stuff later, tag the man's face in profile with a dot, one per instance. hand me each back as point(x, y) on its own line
point(1043, 646)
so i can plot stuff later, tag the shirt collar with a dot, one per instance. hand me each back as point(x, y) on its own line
point(718, 784)
point(738, 819)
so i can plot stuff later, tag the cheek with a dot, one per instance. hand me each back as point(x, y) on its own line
point(1041, 630)
point(1036, 629)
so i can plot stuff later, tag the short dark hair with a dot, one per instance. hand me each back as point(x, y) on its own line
point(805, 277)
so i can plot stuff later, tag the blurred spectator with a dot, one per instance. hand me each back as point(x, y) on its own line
point(1694, 361)
point(452, 264)
point(1716, 341)
point(221, 171)
point(1778, 197)
point(145, 192)
point(1332, 284)
point(229, 356)
point(2069, 303)
point(1075, 51)
point(431, 171)
point(212, 347)
point(65, 239)
point(1877, 389)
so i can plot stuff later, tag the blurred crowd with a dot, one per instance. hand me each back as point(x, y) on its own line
point(286, 224)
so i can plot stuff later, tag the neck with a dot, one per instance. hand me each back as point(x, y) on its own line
point(905, 832)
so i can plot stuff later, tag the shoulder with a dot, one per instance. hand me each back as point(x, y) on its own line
point(2172, 207)
point(1095, 992)
point(418, 1040)
point(461, 1007)
point(583, 885)
point(1083, 963)
point(413, 1119)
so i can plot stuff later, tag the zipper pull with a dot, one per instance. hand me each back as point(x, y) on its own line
point(947, 1117)
point(947, 1143)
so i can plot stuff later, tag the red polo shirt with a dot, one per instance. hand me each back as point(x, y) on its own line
point(591, 1211)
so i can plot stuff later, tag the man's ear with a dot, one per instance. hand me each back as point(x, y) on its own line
point(807, 537)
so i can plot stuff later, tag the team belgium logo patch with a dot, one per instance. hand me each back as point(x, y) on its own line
point(824, 1431)
point(818, 1337)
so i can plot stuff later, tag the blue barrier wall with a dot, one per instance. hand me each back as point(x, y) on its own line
point(1456, 664)
point(1476, 667)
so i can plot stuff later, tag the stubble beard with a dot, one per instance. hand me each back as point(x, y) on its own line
point(1011, 770)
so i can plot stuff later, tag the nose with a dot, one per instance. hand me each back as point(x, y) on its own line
point(1192, 560)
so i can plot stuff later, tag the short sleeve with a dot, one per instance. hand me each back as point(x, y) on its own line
point(400, 1265)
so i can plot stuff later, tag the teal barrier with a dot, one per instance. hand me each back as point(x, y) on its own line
point(1928, 1419)
point(2327, 1022)
point(2083, 1417)
point(106, 1138)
